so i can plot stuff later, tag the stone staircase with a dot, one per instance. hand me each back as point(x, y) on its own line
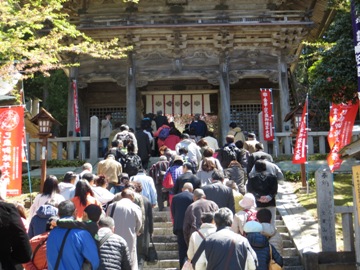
point(166, 244)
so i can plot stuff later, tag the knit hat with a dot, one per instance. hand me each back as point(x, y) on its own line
point(252, 227)
point(248, 201)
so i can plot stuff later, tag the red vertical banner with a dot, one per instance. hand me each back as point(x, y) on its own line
point(342, 117)
point(76, 107)
point(300, 150)
point(267, 114)
point(11, 144)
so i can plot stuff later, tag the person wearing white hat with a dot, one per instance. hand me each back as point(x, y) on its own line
point(261, 245)
point(248, 213)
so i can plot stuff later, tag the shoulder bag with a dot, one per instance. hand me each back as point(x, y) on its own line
point(61, 250)
point(168, 182)
point(152, 255)
point(272, 264)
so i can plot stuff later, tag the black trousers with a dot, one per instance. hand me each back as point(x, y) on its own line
point(182, 247)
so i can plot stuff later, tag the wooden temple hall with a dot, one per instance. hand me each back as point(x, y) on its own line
point(194, 56)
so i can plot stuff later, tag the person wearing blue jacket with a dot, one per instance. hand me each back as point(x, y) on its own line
point(78, 244)
point(38, 222)
point(261, 246)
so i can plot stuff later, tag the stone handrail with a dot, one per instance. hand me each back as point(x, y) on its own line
point(317, 143)
point(87, 148)
point(69, 148)
point(347, 226)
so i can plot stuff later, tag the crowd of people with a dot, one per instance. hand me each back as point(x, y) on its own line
point(221, 199)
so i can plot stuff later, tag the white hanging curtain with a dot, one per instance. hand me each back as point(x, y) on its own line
point(178, 104)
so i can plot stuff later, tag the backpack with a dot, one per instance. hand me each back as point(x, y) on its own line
point(125, 137)
point(132, 164)
point(164, 133)
point(251, 215)
point(230, 153)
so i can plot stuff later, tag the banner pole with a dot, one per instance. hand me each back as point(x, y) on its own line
point(273, 119)
point(307, 143)
point(28, 167)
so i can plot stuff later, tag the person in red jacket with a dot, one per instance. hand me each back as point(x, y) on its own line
point(172, 139)
point(38, 246)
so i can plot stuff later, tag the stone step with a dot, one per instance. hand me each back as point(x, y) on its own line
point(282, 229)
point(167, 254)
point(279, 222)
point(285, 236)
point(289, 252)
point(163, 231)
point(296, 267)
point(166, 246)
point(288, 244)
point(163, 224)
point(292, 261)
point(161, 218)
point(164, 238)
point(162, 264)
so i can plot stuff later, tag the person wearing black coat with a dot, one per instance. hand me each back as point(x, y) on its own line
point(259, 154)
point(179, 205)
point(187, 176)
point(264, 188)
point(144, 147)
point(15, 247)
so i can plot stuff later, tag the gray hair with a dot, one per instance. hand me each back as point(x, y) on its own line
point(66, 209)
point(223, 217)
point(87, 166)
point(199, 193)
point(107, 222)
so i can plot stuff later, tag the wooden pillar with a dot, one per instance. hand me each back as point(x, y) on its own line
point(44, 146)
point(325, 208)
point(70, 112)
point(284, 94)
point(131, 93)
point(224, 101)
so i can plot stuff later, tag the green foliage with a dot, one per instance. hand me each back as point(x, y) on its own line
point(53, 91)
point(296, 176)
point(38, 36)
point(317, 157)
point(332, 73)
point(310, 157)
point(35, 184)
point(64, 163)
point(292, 176)
point(327, 67)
